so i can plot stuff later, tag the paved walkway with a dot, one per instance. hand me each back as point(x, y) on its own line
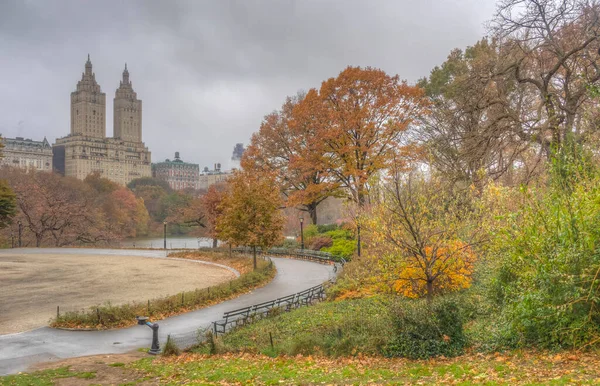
point(19, 351)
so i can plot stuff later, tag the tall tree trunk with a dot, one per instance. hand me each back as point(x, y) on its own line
point(254, 255)
point(429, 290)
point(312, 212)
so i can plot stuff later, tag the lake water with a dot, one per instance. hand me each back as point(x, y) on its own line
point(175, 242)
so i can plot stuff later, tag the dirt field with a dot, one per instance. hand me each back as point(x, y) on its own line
point(31, 286)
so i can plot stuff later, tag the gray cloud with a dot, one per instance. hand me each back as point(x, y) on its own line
point(208, 71)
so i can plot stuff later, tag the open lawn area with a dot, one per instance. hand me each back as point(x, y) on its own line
point(516, 368)
point(33, 285)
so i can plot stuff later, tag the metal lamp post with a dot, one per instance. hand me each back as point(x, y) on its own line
point(301, 233)
point(20, 231)
point(165, 233)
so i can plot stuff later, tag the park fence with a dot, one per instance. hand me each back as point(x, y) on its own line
point(242, 316)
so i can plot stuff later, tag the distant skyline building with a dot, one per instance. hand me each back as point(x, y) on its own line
point(178, 174)
point(236, 157)
point(87, 149)
point(210, 177)
point(27, 154)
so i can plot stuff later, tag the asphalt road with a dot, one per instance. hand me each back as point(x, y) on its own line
point(21, 350)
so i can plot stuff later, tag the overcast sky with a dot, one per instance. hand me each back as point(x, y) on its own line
point(208, 71)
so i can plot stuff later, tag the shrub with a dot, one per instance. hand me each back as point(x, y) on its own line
point(546, 283)
point(427, 329)
point(326, 228)
point(289, 244)
point(319, 242)
point(170, 348)
point(342, 248)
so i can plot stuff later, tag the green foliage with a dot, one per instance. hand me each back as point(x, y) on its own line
point(310, 231)
point(7, 203)
point(288, 244)
point(546, 283)
point(344, 244)
point(342, 248)
point(44, 378)
point(330, 238)
point(427, 329)
point(331, 328)
point(149, 181)
point(326, 228)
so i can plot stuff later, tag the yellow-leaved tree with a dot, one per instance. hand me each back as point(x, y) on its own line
point(422, 235)
point(250, 211)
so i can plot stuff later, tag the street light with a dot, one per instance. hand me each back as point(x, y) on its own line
point(301, 233)
point(165, 233)
point(20, 231)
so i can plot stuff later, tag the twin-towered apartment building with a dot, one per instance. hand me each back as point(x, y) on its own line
point(88, 150)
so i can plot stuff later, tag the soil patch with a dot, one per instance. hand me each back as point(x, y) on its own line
point(33, 285)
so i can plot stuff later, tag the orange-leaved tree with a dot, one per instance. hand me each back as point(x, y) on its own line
point(211, 205)
point(423, 236)
point(287, 145)
point(251, 211)
point(362, 117)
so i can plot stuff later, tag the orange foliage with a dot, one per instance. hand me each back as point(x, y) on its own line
point(251, 214)
point(361, 118)
point(287, 145)
point(452, 265)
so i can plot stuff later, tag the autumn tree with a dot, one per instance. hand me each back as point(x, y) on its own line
point(473, 132)
point(211, 205)
point(362, 116)
point(422, 236)
point(550, 48)
point(251, 214)
point(287, 145)
point(54, 208)
point(125, 215)
point(153, 191)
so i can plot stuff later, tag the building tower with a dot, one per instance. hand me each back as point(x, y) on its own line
point(127, 112)
point(88, 106)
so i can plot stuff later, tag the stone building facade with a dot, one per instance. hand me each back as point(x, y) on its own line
point(211, 177)
point(86, 149)
point(180, 175)
point(27, 154)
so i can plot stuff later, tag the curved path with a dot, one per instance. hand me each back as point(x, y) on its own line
point(19, 351)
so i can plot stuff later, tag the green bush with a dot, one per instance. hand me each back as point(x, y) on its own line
point(427, 329)
point(326, 228)
point(342, 248)
point(545, 285)
point(344, 244)
point(289, 244)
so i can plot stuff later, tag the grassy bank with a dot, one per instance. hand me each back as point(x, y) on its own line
point(113, 316)
point(516, 368)
point(329, 328)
